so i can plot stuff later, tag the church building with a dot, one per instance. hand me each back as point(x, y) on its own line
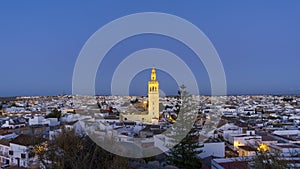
point(152, 115)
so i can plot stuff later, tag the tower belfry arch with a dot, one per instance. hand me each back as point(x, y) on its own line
point(153, 95)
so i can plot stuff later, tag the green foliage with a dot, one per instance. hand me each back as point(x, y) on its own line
point(54, 114)
point(185, 154)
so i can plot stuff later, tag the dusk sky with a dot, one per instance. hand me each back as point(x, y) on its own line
point(258, 43)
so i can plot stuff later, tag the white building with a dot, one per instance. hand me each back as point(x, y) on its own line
point(287, 132)
point(20, 154)
point(76, 127)
point(244, 139)
point(12, 124)
point(228, 129)
point(69, 117)
point(41, 121)
point(4, 152)
point(285, 149)
point(38, 120)
point(216, 149)
point(14, 109)
point(229, 111)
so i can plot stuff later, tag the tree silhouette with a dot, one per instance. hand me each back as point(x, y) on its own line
point(69, 151)
point(185, 154)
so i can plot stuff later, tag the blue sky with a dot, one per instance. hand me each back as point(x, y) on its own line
point(258, 43)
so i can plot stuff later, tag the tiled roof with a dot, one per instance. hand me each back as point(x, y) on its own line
point(27, 140)
point(4, 142)
point(5, 132)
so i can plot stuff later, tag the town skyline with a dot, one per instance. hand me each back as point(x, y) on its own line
point(149, 84)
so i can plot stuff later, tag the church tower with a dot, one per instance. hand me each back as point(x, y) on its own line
point(153, 96)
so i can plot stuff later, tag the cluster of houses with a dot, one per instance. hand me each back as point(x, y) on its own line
point(17, 150)
point(255, 124)
point(25, 125)
point(243, 125)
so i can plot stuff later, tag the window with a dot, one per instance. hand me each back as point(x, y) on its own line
point(31, 154)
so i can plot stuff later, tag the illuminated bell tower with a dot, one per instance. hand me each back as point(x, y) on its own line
point(153, 96)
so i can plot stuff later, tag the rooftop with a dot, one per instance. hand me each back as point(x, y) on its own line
point(287, 146)
point(247, 148)
point(4, 142)
point(27, 140)
point(268, 138)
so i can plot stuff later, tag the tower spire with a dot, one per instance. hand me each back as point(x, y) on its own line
point(153, 74)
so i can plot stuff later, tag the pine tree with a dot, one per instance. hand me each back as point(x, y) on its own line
point(185, 153)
